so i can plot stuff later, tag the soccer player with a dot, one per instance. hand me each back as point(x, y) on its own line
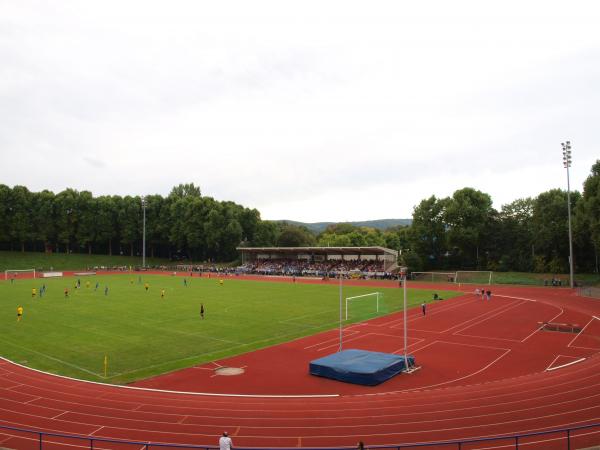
point(97, 285)
point(19, 313)
point(185, 282)
point(33, 292)
point(202, 310)
point(162, 293)
point(424, 308)
point(146, 286)
point(105, 290)
point(87, 284)
point(66, 292)
point(221, 282)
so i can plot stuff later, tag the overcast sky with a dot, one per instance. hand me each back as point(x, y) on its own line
point(306, 110)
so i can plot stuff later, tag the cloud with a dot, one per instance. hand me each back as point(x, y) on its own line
point(329, 111)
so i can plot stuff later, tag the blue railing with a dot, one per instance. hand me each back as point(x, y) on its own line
point(564, 439)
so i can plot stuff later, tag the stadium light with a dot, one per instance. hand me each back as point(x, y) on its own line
point(566, 146)
point(144, 232)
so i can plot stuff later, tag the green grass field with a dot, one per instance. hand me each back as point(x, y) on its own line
point(144, 335)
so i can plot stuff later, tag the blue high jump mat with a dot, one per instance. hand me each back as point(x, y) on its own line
point(360, 366)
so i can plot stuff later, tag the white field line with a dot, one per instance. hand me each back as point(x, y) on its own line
point(396, 323)
point(354, 337)
point(538, 329)
point(548, 369)
point(582, 330)
point(54, 359)
point(372, 334)
point(483, 317)
point(199, 394)
point(333, 339)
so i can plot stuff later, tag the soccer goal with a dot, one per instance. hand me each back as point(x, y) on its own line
point(474, 276)
point(9, 273)
point(434, 277)
point(362, 305)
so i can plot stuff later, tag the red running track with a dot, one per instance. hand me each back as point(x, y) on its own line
point(484, 373)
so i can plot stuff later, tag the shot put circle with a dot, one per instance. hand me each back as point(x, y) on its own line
point(229, 371)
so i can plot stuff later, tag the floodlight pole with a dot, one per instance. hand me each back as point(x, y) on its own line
point(144, 232)
point(566, 146)
point(341, 308)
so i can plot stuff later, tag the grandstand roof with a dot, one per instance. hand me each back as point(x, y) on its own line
point(320, 250)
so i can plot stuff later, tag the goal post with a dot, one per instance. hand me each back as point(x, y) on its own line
point(434, 277)
point(474, 276)
point(369, 302)
point(9, 272)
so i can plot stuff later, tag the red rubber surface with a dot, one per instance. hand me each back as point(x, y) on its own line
point(483, 374)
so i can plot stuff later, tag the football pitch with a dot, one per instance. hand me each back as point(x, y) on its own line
point(142, 334)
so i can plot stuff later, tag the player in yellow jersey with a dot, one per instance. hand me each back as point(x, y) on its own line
point(33, 292)
point(162, 293)
point(19, 313)
point(146, 286)
point(221, 282)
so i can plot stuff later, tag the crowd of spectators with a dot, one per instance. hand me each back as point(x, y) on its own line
point(354, 268)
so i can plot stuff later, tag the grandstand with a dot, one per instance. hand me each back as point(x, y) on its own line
point(359, 262)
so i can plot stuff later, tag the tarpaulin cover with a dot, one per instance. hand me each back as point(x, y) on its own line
point(359, 366)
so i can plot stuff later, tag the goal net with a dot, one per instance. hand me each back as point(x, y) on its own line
point(15, 273)
point(474, 276)
point(364, 306)
point(434, 277)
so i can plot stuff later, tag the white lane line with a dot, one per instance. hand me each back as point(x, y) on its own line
point(578, 334)
point(564, 365)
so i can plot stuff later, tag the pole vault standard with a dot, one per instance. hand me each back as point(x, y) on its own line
point(403, 278)
point(341, 309)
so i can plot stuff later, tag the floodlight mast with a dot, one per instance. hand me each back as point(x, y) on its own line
point(566, 146)
point(144, 233)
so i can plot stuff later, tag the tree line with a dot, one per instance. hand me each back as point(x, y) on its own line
point(463, 231)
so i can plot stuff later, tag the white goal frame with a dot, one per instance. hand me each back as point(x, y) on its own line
point(377, 294)
point(6, 272)
point(481, 272)
point(433, 274)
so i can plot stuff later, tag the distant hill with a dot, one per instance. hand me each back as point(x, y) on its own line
point(382, 224)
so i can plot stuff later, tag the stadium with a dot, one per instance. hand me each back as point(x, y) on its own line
point(518, 370)
point(272, 225)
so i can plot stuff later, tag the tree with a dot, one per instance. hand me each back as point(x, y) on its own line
point(106, 221)
point(468, 215)
point(428, 232)
point(550, 230)
point(66, 218)
point(87, 229)
point(5, 214)
point(587, 216)
point(295, 236)
point(43, 221)
point(21, 213)
point(130, 221)
point(266, 234)
point(513, 239)
point(185, 190)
